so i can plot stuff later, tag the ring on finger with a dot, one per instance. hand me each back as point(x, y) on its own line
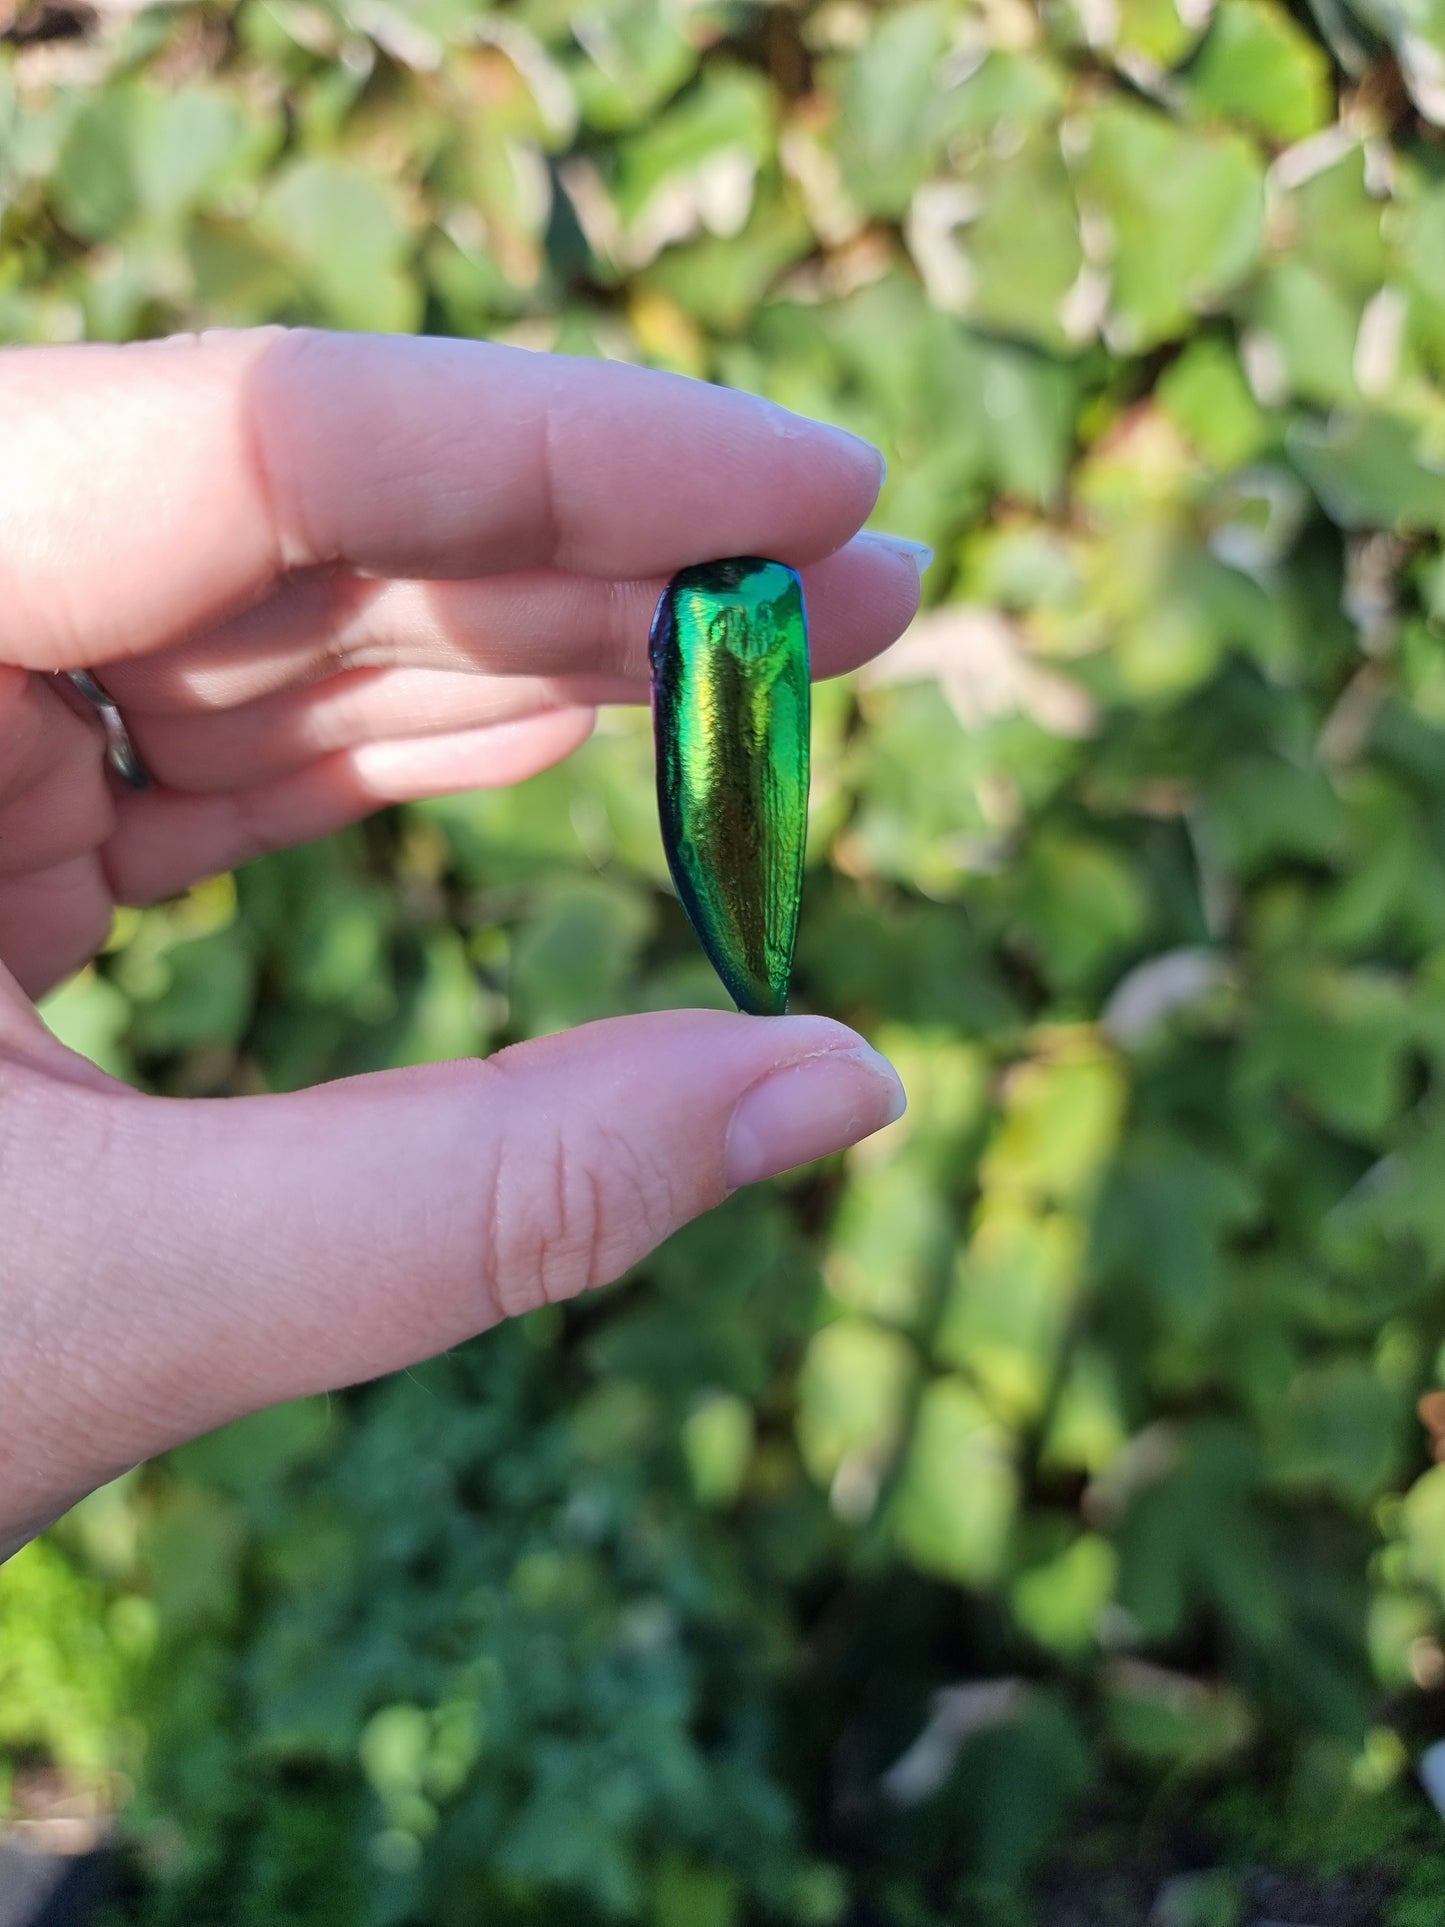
point(120, 752)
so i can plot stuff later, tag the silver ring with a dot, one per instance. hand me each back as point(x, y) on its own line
point(120, 751)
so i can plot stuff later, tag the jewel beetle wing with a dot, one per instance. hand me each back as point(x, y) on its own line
point(731, 710)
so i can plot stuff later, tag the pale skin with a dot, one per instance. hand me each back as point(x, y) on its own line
point(320, 574)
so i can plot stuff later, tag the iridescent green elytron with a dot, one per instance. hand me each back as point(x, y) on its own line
point(730, 696)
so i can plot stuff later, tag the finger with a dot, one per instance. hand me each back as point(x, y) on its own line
point(537, 623)
point(166, 839)
point(227, 1254)
point(26, 1043)
point(55, 802)
point(149, 490)
point(53, 921)
point(55, 808)
point(266, 740)
point(859, 602)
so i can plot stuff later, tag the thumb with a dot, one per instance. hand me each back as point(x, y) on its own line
point(202, 1259)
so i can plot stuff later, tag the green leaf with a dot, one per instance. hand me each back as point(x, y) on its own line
point(691, 1896)
point(1194, 1536)
point(721, 281)
point(1405, 1198)
point(892, 1242)
point(252, 1454)
point(1372, 470)
point(1337, 220)
point(1263, 810)
point(1258, 68)
point(90, 1016)
point(64, 1678)
point(347, 241)
point(1060, 1601)
point(892, 114)
point(1014, 1787)
point(954, 1508)
point(96, 191)
point(1086, 1428)
point(1007, 1314)
point(1062, 1112)
point(191, 1548)
point(138, 149)
point(1137, 173)
point(634, 55)
point(852, 1395)
point(711, 141)
point(1339, 1426)
point(575, 954)
point(1206, 393)
point(1423, 1518)
point(1422, 250)
point(1162, 1715)
point(445, 1013)
point(205, 996)
point(1079, 905)
point(717, 1440)
point(1161, 31)
point(1005, 248)
point(1340, 1042)
point(193, 144)
point(1164, 1225)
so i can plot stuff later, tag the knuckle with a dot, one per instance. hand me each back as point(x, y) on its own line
point(282, 416)
point(625, 625)
point(567, 1204)
point(548, 1219)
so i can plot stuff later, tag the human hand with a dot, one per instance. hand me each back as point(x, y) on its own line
point(320, 574)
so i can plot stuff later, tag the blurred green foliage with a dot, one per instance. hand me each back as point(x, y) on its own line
point(1060, 1456)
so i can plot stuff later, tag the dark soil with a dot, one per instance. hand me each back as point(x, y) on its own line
point(1271, 1900)
point(1104, 1879)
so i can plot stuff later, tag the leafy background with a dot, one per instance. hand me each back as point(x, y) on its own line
point(1034, 1517)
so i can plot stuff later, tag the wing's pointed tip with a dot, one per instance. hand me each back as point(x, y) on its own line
point(758, 999)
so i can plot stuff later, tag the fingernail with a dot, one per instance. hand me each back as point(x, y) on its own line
point(808, 1109)
point(918, 553)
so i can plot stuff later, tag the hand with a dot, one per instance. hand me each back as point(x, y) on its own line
point(320, 574)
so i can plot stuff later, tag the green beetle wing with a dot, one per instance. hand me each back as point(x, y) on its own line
point(731, 709)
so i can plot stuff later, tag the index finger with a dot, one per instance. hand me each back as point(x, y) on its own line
point(148, 490)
